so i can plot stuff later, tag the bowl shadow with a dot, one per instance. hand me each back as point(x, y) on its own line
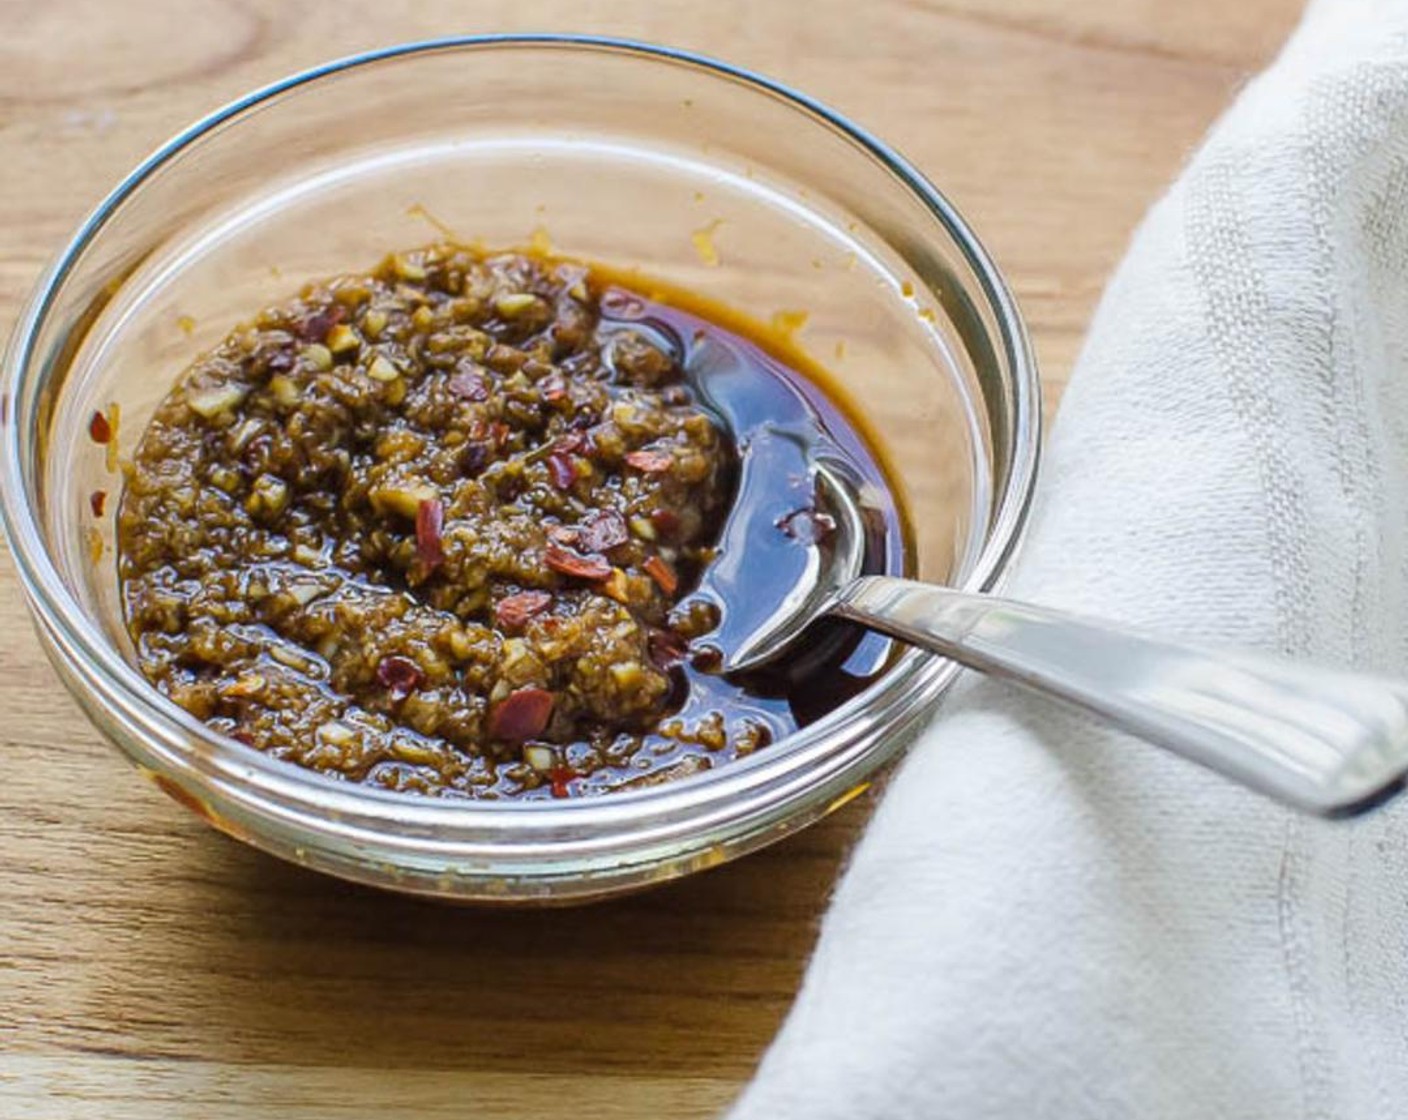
point(290, 966)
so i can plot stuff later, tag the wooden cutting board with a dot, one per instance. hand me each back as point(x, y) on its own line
point(151, 968)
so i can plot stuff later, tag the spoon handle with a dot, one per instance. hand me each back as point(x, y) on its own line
point(1326, 741)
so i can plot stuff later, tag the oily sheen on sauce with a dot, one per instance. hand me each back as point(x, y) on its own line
point(461, 526)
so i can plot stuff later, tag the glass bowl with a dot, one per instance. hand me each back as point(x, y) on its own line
point(686, 169)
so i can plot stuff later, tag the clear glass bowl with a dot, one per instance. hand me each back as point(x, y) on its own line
point(636, 156)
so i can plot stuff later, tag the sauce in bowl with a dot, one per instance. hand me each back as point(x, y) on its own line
point(461, 526)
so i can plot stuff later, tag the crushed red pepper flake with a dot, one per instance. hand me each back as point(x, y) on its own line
point(659, 569)
point(665, 521)
point(521, 714)
point(513, 612)
point(561, 470)
point(315, 327)
point(667, 649)
point(603, 531)
point(430, 521)
point(571, 563)
point(97, 501)
point(649, 462)
point(399, 675)
point(559, 779)
point(99, 430)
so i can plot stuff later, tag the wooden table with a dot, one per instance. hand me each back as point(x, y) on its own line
point(151, 968)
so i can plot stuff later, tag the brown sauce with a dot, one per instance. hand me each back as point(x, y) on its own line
point(468, 526)
point(784, 412)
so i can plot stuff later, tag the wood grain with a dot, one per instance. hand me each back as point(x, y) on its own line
point(150, 968)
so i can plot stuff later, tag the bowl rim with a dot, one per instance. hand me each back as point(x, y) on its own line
point(63, 621)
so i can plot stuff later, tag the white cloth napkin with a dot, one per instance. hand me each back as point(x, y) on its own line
point(1050, 919)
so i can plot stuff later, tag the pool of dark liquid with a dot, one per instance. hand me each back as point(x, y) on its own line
point(782, 423)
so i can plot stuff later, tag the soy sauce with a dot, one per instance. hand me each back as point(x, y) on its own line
point(783, 419)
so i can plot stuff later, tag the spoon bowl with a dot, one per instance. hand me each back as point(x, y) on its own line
point(1321, 740)
point(834, 552)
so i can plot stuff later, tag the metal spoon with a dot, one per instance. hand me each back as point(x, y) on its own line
point(1323, 740)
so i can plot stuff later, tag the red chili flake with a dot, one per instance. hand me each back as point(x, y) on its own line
point(96, 501)
point(658, 569)
point(651, 462)
point(430, 520)
point(558, 777)
point(241, 736)
point(500, 432)
point(400, 676)
point(561, 470)
point(469, 385)
point(604, 531)
point(569, 563)
point(667, 649)
point(99, 430)
point(666, 521)
point(616, 303)
point(315, 327)
point(513, 612)
point(521, 714)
